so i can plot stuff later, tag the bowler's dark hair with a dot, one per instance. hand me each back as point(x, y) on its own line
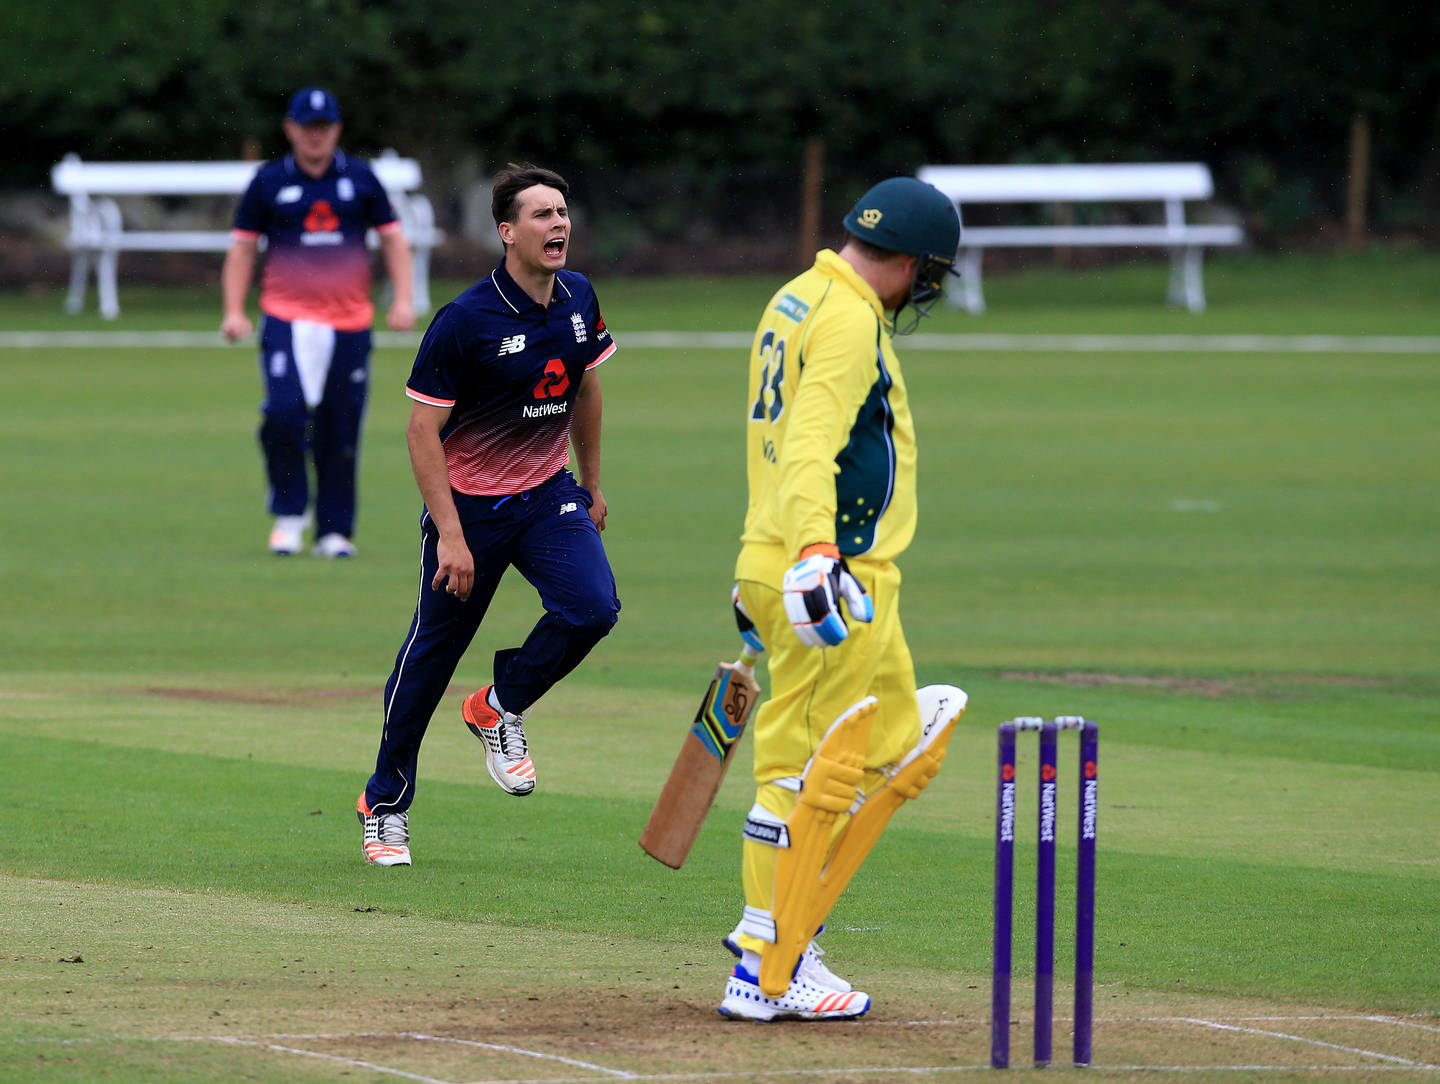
point(512, 180)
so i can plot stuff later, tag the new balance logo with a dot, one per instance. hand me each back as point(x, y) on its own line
point(511, 344)
point(569, 506)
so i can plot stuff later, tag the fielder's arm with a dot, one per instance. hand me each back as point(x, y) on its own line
point(399, 266)
point(235, 285)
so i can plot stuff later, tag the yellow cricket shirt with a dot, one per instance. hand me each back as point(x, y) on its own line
point(830, 445)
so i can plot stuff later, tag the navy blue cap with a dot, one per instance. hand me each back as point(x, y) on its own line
point(314, 105)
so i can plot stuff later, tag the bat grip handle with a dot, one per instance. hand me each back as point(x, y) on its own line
point(748, 658)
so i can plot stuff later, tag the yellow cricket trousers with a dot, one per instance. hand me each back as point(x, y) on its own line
point(810, 687)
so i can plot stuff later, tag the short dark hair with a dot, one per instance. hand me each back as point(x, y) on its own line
point(872, 251)
point(512, 180)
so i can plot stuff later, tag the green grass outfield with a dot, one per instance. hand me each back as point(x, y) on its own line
point(1229, 557)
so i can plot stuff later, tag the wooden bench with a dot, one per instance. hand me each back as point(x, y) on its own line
point(98, 234)
point(1166, 183)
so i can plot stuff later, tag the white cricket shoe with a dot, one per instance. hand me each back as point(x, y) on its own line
point(811, 968)
point(287, 537)
point(507, 754)
point(333, 545)
point(386, 836)
point(744, 1000)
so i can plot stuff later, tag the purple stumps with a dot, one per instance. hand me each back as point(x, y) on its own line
point(1089, 815)
point(1004, 899)
point(1005, 819)
point(1045, 892)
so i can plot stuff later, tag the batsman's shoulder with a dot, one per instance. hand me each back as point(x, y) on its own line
point(845, 325)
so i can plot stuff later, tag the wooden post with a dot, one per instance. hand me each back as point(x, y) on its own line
point(1357, 189)
point(1064, 216)
point(811, 187)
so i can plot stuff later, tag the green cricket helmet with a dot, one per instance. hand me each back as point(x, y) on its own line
point(904, 214)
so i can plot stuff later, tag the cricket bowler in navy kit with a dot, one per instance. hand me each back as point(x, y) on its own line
point(505, 384)
point(314, 207)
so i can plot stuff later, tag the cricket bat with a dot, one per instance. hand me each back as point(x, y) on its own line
point(688, 794)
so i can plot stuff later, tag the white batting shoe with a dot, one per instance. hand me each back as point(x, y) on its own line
point(744, 1000)
point(811, 968)
point(507, 754)
point(385, 839)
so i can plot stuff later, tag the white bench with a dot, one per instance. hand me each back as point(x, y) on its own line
point(1168, 183)
point(98, 234)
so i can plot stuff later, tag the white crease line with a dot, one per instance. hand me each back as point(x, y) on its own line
point(276, 1047)
point(1302, 1039)
point(887, 1071)
point(1257, 1068)
point(749, 1075)
point(756, 1074)
point(884, 1072)
point(519, 1050)
point(1399, 1022)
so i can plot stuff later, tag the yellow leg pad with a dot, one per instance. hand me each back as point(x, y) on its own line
point(863, 830)
point(829, 790)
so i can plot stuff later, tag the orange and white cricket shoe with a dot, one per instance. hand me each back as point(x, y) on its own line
point(386, 836)
point(506, 753)
point(744, 1000)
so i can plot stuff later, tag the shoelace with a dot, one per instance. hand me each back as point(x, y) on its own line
point(512, 741)
point(395, 829)
point(811, 957)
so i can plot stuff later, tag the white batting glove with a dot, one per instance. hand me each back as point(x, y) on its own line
point(813, 590)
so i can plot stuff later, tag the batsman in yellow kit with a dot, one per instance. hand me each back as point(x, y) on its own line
point(845, 737)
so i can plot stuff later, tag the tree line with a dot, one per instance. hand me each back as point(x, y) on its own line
point(690, 120)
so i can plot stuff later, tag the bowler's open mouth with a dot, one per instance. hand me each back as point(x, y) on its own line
point(555, 246)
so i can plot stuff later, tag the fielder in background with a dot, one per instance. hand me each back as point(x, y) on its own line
point(314, 207)
point(845, 738)
point(506, 382)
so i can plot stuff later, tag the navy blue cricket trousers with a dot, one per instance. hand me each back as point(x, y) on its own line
point(546, 533)
point(328, 429)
